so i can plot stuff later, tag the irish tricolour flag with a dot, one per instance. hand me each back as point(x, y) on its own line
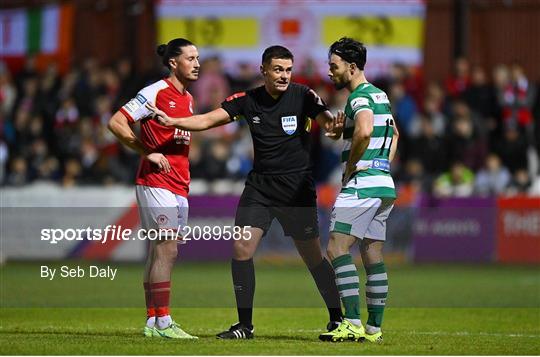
point(43, 31)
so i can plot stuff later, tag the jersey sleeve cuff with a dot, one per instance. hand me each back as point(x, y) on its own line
point(361, 110)
point(126, 114)
point(231, 116)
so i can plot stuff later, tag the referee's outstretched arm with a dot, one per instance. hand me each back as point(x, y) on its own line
point(198, 122)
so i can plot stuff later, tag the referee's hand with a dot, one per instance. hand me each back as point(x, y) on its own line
point(336, 126)
point(159, 115)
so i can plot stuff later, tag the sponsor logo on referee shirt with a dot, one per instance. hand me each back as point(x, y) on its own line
point(289, 124)
point(256, 120)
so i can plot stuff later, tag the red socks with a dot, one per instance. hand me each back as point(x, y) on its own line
point(158, 296)
point(150, 310)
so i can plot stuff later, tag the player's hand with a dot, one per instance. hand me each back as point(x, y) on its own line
point(160, 115)
point(350, 172)
point(347, 175)
point(337, 126)
point(394, 126)
point(160, 160)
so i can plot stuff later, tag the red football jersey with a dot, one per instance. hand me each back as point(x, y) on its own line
point(171, 142)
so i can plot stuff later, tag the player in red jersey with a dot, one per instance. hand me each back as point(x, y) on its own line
point(162, 182)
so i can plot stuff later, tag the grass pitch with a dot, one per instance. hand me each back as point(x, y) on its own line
point(444, 309)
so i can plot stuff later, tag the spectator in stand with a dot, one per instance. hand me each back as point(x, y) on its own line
point(517, 98)
point(309, 75)
point(414, 179)
point(457, 182)
point(520, 184)
point(433, 113)
point(39, 152)
point(429, 149)
point(28, 98)
point(88, 87)
point(212, 80)
point(493, 179)
point(409, 76)
point(18, 175)
point(72, 173)
point(512, 149)
point(480, 95)
point(8, 92)
point(403, 107)
point(129, 82)
point(20, 129)
point(481, 98)
point(465, 142)
point(458, 83)
point(244, 78)
point(67, 114)
point(111, 84)
point(49, 170)
point(196, 164)
point(216, 160)
point(48, 94)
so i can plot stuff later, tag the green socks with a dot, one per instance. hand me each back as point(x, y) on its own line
point(348, 286)
point(376, 293)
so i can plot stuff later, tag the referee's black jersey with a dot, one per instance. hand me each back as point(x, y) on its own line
point(279, 127)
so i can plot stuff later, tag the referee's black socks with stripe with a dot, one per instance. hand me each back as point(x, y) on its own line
point(243, 274)
point(325, 278)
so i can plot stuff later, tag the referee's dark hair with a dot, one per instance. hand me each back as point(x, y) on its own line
point(276, 52)
point(172, 49)
point(350, 50)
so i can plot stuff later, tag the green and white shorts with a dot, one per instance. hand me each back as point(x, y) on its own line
point(361, 217)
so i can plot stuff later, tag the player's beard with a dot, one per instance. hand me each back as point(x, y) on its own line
point(192, 77)
point(340, 85)
point(188, 77)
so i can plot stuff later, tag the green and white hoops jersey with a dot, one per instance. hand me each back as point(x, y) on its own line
point(375, 181)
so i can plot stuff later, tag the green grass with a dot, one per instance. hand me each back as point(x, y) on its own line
point(433, 309)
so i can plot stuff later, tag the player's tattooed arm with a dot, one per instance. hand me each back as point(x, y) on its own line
point(119, 126)
point(395, 138)
point(199, 122)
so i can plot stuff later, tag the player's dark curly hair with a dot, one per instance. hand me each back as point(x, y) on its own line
point(350, 50)
point(276, 52)
point(172, 49)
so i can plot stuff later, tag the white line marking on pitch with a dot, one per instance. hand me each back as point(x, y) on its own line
point(442, 333)
point(465, 333)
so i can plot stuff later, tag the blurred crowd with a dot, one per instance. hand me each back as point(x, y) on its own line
point(475, 134)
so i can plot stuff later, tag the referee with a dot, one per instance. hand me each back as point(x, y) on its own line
point(281, 183)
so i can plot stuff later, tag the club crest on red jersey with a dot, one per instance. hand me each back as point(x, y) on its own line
point(182, 136)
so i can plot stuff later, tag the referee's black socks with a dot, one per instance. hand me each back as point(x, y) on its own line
point(325, 278)
point(243, 274)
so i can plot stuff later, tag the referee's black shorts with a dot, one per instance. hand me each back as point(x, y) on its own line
point(290, 198)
